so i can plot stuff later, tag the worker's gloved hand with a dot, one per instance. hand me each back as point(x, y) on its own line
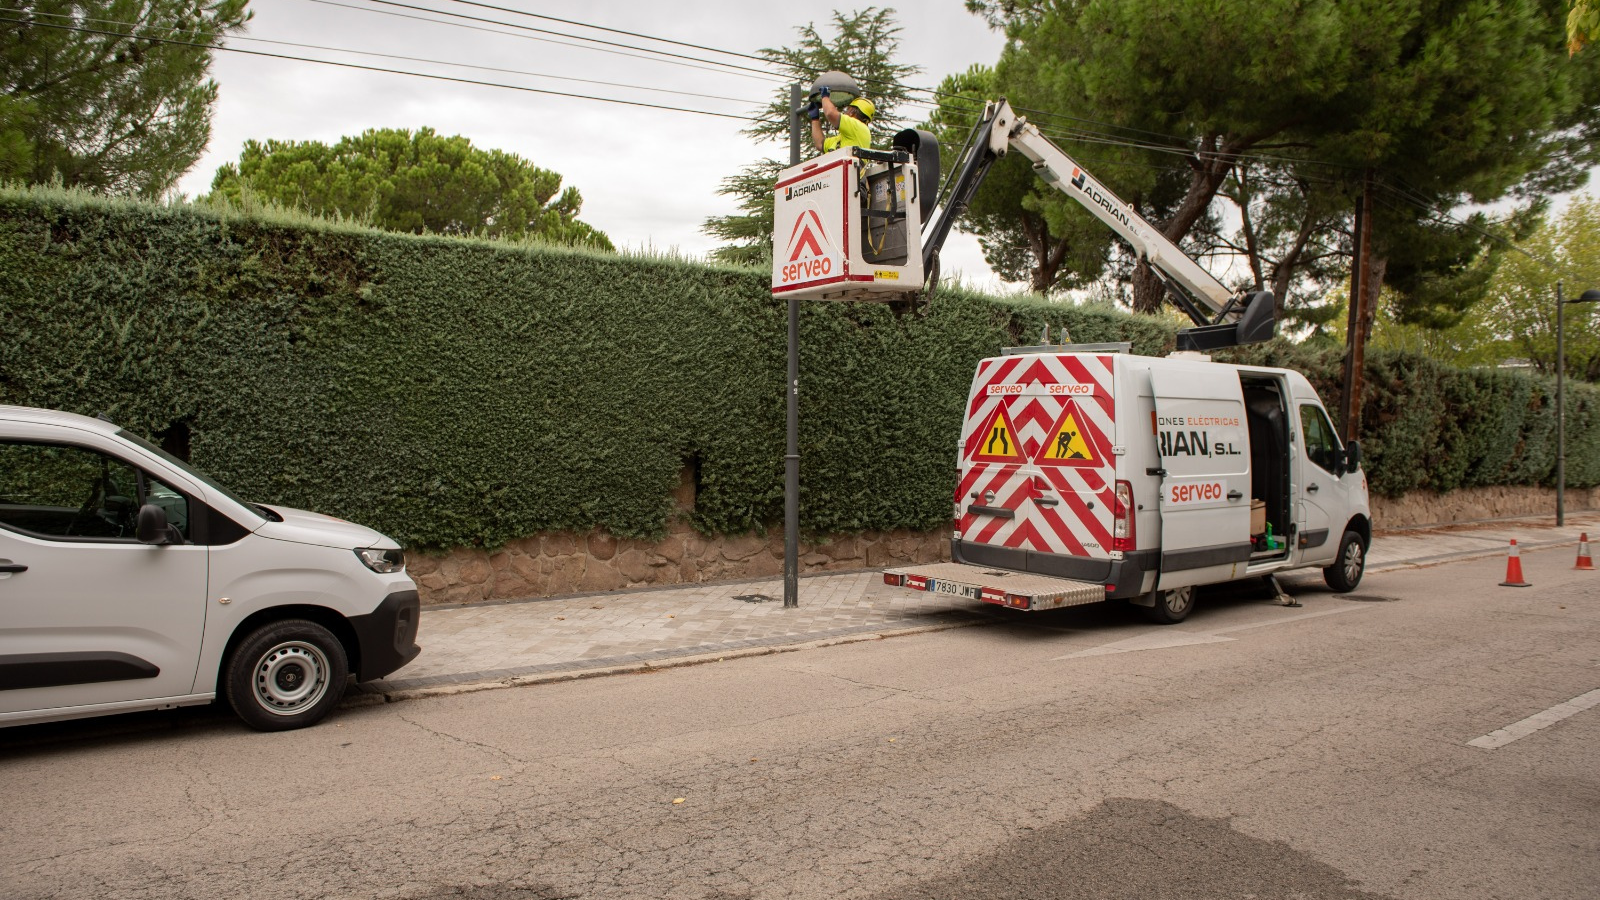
point(824, 91)
point(814, 111)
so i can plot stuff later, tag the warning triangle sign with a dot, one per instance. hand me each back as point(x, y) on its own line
point(1066, 444)
point(996, 441)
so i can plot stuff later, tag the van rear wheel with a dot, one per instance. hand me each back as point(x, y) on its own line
point(1171, 606)
point(1349, 566)
point(286, 674)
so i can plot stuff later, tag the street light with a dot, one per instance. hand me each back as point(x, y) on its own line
point(1589, 296)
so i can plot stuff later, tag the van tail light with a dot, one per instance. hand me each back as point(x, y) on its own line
point(1123, 535)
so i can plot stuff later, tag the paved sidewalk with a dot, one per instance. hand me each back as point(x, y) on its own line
point(484, 645)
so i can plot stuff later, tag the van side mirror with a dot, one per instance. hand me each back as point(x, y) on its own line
point(153, 527)
point(1352, 456)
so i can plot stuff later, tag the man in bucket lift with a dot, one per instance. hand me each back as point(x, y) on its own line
point(851, 123)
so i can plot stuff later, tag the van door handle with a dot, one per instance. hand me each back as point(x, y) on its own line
point(1311, 488)
point(1235, 495)
point(9, 568)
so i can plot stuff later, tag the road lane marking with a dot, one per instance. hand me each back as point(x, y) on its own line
point(1537, 721)
point(1163, 639)
point(1158, 640)
point(1294, 618)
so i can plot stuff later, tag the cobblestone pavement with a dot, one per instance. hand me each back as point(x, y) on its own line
point(487, 644)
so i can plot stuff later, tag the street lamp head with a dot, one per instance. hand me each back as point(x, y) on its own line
point(1589, 296)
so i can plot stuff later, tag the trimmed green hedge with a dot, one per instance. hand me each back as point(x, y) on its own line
point(464, 393)
point(1428, 426)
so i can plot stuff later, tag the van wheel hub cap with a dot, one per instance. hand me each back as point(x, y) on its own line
point(290, 677)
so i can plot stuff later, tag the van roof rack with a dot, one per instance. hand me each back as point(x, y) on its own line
point(1111, 347)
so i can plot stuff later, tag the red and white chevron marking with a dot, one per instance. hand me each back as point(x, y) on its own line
point(1035, 389)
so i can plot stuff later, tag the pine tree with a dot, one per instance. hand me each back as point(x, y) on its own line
point(863, 45)
point(109, 95)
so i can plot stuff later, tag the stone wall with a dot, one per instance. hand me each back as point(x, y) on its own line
point(551, 564)
point(557, 563)
point(1475, 504)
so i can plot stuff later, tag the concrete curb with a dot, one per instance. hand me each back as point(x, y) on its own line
point(473, 682)
point(1423, 562)
point(356, 699)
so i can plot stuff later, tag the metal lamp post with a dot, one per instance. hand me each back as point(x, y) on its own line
point(1589, 296)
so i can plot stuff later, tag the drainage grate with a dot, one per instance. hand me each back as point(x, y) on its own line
point(1369, 598)
point(756, 598)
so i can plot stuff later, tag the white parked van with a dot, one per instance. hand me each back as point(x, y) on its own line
point(130, 581)
point(1086, 473)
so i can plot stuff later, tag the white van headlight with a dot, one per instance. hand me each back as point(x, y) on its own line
point(384, 562)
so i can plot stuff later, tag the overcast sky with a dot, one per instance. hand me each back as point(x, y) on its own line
point(649, 178)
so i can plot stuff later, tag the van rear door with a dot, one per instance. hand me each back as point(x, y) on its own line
point(1203, 443)
point(1036, 488)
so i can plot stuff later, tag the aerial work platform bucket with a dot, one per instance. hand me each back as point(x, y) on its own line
point(847, 226)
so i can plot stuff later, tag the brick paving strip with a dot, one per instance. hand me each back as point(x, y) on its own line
point(501, 644)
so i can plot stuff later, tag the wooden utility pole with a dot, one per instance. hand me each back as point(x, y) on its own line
point(1361, 311)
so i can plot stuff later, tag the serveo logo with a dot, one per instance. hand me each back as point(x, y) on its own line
point(808, 269)
point(1196, 493)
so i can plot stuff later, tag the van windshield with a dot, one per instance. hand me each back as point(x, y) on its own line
point(198, 475)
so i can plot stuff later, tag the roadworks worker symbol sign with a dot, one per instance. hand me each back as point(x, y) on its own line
point(1066, 444)
point(996, 441)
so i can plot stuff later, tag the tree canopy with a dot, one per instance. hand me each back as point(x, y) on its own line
point(1583, 23)
point(1517, 318)
point(109, 95)
point(416, 182)
point(1441, 103)
point(1154, 88)
point(863, 44)
point(1028, 231)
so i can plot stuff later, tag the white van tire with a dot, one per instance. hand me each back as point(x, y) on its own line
point(1349, 565)
point(1172, 606)
point(287, 674)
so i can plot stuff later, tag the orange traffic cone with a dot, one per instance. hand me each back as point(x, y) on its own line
point(1584, 561)
point(1514, 568)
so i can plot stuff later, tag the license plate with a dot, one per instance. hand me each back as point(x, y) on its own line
point(963, 591)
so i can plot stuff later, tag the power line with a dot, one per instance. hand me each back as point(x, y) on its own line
point(1176, 146)
point(417, 59)
point(380, 69)
point(765, 73)
point(531, 37)
point(1077, 136)
point(441, 12)
point(647, 37)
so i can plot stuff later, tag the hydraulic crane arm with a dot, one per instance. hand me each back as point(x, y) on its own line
point(1195, 290)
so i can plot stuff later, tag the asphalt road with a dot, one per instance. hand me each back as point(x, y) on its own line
point(1254, 751)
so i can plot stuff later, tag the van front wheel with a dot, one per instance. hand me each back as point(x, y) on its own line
point(1351, 564)
point(286, 674)
point(1171, 606)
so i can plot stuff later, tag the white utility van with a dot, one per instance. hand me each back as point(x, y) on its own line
point(1086, 473)
point(130, 581)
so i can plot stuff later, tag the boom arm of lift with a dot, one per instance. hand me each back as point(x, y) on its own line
point(1222, 318)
